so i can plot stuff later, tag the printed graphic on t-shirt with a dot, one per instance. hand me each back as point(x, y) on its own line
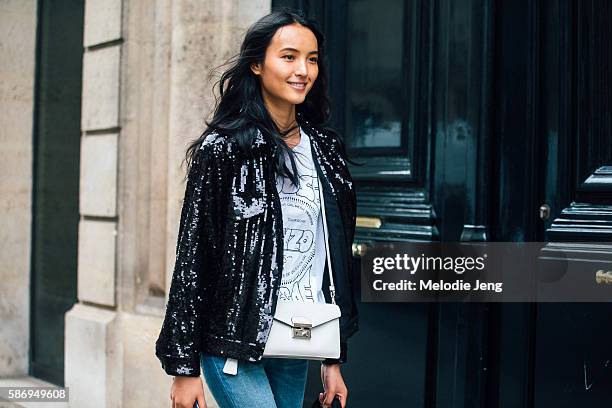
point(302, 229)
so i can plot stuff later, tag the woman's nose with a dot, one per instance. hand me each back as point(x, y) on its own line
point(300, 68)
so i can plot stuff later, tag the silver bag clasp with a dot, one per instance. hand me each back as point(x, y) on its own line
point(301, 327)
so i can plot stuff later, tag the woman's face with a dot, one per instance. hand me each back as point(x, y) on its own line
point(290, 67)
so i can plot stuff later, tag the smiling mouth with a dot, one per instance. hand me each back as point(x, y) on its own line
point(298, 85)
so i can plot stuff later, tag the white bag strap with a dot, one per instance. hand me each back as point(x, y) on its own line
point(332, 288)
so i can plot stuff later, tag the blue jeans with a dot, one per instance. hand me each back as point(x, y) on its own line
point(269, 383)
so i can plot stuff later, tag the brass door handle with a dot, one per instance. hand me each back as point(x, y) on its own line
point(602, 276)
point(368, 222)
point(544, 211)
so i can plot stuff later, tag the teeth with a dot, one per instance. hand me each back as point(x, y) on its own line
point(297, 85)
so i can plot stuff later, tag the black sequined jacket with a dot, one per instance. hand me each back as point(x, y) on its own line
point(229, 254)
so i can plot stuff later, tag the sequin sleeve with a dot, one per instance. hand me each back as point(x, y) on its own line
point(179, 342)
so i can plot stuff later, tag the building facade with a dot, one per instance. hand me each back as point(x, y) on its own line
point(477, 120)
point(102, 98)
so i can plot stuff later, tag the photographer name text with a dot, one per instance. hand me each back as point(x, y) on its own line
point(431, 285)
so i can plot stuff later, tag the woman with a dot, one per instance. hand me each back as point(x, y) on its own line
point(251, 229)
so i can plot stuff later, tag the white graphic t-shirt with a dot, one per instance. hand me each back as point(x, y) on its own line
point(304, 248)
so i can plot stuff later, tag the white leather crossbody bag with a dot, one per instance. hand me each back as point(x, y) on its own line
point(304, 330)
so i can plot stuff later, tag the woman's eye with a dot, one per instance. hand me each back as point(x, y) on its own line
point(288, 56)
point(314, 59)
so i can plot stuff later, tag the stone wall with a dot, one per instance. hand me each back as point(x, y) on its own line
point(145, 96)
point(17, 65)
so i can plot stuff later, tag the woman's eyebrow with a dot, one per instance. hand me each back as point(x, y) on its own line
point(294, 50)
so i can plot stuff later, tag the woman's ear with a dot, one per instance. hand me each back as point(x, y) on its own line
point(256, 68)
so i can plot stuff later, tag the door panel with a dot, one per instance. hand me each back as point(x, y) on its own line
point(572, 360)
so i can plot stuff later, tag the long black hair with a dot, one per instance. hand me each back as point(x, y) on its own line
point(239, 108)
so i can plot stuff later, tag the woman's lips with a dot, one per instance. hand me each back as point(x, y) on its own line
point(299, 86)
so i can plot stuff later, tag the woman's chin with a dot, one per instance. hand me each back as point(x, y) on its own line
point(296, 100)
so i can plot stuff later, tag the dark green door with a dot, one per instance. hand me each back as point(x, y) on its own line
point(550, 133)
point(471, 116)
point(571, 363)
